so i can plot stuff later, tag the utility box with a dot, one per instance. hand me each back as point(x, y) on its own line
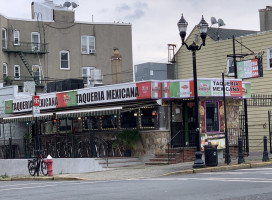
point(211, 155)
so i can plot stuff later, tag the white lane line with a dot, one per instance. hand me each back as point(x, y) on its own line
point(257, 169)
point(23, 188)
point(255, 180)
point(36, 183)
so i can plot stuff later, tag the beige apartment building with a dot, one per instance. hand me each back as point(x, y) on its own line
point(52, 46)
point(215, 58)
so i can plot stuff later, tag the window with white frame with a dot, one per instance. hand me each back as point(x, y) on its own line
point(36, 72)
point(35, 41)
point(87, 44)
point(4, 38)
point(5, 70)
point(230, 67)
point(64, 60)
point(86, 74)
point(16, 37)
point(17, 72)
point(269, 58)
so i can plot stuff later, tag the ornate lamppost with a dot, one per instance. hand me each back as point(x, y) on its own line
point(203, 28)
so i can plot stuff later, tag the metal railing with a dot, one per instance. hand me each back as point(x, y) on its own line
point(60, 146)
point(26, 47)
point(181, 145)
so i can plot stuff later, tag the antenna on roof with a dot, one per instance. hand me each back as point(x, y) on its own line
point(213, 21)
point(67, 4)
point(221, 22)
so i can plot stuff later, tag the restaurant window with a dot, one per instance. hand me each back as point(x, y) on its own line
point(91, 123)
point(129, 119)
point(77, 125)
point(63, 126)
point(212, 116)
point(109, 121)
point(148, 117)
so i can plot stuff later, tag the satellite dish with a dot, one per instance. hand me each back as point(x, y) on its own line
point(213, 21)
point(67, 4)
point(74, 5)
point(221, 22)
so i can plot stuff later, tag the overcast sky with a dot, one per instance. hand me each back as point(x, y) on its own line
point(154, 22)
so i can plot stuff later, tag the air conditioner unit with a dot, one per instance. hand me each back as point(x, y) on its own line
point(92, 51)
point(35, 48)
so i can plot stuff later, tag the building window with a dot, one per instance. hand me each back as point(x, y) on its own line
point(212, 116)
point(148, 117)
point(16, 37)
point(64, 60)
point(129, 119)
point(36, 73)
point(269, 58)
point(35, 41)
point(17, 72)
point(5, 70)
point(65, 125)
point(4, 38)
point(91, 123)
point(86, 74)
point(109, 122)
point(230, 67)
point(87, 44)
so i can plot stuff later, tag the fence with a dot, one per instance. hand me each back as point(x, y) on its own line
point(60, 146)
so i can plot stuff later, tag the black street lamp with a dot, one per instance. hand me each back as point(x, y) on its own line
point(203, 28)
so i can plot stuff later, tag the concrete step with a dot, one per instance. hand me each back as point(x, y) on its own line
point(157, 163)
point(165, 155)
point(160, 159)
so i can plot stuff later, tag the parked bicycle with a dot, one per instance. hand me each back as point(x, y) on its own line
point(37, 165)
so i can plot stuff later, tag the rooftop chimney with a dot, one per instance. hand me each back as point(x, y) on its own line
point(265, 18)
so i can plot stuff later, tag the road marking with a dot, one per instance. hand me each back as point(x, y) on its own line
point(256, 169)
point(254, 180)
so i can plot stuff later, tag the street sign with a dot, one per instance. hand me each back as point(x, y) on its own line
point(36, 100)
point(36, 106)
point(36, 111)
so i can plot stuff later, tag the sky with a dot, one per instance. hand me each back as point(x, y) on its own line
point(154, 22)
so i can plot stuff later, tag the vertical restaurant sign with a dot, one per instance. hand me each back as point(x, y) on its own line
point(248, 69)
point(85, 96)
point(156, 89)
point(165, 89)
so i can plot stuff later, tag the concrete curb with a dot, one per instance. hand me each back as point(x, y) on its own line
point(221, 168)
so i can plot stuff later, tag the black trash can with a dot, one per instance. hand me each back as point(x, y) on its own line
point(211, 156)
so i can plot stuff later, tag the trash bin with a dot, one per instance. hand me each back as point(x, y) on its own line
point(211, 156)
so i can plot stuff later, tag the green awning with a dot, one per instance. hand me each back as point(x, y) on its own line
point(90, 112)
point(64, 114)
point(26, 118)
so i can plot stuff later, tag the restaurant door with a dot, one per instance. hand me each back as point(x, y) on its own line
point(182, 124)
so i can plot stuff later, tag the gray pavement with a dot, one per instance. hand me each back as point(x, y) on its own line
point(147, 171)
point(150, 171)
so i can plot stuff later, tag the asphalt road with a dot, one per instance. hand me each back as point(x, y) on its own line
point(249, 184)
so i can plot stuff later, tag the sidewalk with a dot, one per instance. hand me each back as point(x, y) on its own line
point(147, 171)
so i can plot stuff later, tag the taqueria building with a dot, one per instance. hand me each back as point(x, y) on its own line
point(162, 111)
